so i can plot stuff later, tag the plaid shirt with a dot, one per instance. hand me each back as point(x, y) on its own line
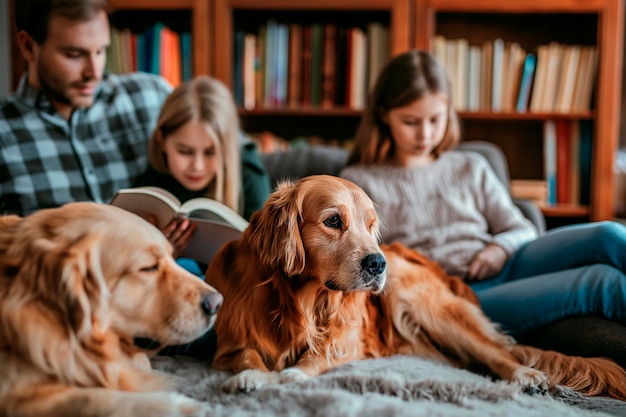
point(47, 161)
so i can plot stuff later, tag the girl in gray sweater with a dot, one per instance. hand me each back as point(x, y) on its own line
point(451, 206)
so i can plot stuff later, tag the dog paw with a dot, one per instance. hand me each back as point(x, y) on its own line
point(250, 380)
point(292, 375)
point(532, 380)
point(187, 407)
point(157, 404)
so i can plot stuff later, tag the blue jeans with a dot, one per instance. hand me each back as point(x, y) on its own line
point(571, 270)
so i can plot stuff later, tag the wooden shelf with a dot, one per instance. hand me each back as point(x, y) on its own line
point(524, 116)
point(152, 4)
point(565, 210)
point(303, 111)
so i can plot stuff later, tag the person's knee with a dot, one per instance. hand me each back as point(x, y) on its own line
point(609, 232)
point(601, 276)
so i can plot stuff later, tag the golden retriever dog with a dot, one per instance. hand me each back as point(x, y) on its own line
point(307, 287)
point(77, 284)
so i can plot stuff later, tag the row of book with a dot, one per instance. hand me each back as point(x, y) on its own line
point(503, 76)
point(157, 50)
point(567, 161)
point(318, 65)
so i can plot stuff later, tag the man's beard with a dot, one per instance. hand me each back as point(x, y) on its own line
point(55, 91)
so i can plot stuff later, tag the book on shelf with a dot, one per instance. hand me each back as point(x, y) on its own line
point(514, 57)
point(585, 79)
point(539, 82)
point(186, 55)
point(282, 65)
point(328, 65)
point(487, 76)
point(497, 75)
point(473, 78)
point(238, 67)
point(378, 51)
point(534, 190)
point(567, 82)
point(549, 159)
point(563, 161)
point(357, 68)
point(259, 68)
point(526, 83)
point(294, 88)
point(317, 61)
point(215, 222)
point(574, 174)
point(307, 62)
point(248, 73)
point(586, 148)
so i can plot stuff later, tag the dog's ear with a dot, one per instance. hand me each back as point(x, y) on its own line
point(84, 287)
point(55, 302)
point(275, 232)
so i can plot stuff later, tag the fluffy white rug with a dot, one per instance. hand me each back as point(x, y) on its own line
point(395, 386)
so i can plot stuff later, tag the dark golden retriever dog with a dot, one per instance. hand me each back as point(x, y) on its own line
point(77, 285)
point(308, 287)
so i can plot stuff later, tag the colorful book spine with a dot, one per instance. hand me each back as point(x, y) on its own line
point(528, 75)
point(563, 160)
point(586, 147)
point(549, 158)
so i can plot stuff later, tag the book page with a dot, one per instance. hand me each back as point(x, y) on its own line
point(145, 202)
point(206, 208)
point(208, 238)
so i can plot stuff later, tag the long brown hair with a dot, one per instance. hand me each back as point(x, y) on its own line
point(405, 79)
point(207, 100)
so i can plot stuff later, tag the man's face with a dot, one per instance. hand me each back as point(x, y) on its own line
point(69, 64)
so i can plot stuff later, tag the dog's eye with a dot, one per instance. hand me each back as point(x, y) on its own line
point(333, 222)
point(151, 268)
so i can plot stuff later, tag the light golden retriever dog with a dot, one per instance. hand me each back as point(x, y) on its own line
point(307, 287)
point(77, 285)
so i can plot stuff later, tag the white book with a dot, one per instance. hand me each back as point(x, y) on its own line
point(215, 222)
point(474, 78)
point(497, 75)
point(249, 51)
point(567, 82)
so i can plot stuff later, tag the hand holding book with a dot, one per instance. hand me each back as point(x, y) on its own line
point(197, 228)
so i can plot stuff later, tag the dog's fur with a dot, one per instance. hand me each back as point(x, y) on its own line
point(305, 289)
point(77, 285)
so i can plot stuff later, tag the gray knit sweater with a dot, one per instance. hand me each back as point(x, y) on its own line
point(450, 209)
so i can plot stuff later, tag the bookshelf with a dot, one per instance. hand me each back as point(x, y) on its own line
point(192, 16)
point(416, 23)
point(337, 118)
point(597, 23)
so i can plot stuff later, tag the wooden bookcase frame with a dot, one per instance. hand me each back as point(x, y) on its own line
point(606, 115)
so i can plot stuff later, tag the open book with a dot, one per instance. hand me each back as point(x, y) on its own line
point(215, 222)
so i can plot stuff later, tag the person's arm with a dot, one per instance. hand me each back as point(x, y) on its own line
point(256, 182)
point(507, 224)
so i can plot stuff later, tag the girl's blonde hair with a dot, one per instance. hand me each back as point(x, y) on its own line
point(405, 79)
point(206, 100)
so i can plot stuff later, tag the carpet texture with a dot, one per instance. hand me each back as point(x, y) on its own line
point(395, 386)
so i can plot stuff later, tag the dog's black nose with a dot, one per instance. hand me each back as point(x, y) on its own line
point(212, 302)
point(374, 263)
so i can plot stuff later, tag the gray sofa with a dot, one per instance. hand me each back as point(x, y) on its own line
point(583, 336)
point(299, 162)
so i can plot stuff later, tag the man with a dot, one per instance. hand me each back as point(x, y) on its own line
point(71, 133)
